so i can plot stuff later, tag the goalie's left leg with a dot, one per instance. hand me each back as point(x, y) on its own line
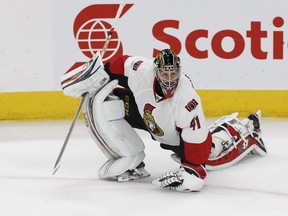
point(234, 139)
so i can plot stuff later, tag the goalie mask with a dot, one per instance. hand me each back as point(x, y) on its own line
point(167, 66)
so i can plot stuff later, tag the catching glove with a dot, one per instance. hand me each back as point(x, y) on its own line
point(188, 178)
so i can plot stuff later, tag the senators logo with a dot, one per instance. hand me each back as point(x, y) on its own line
point(150, 121)
point(191, 105)
point(136, 65)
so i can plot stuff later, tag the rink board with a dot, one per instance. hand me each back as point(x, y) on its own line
point(54, 105)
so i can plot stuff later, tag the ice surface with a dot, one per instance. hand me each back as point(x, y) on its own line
point(28, 150)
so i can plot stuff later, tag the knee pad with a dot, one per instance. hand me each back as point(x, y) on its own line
point(104, 117)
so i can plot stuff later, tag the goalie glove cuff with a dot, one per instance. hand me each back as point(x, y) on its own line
point(195, 169)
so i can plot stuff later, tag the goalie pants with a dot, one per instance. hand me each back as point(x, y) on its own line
point(133, 117)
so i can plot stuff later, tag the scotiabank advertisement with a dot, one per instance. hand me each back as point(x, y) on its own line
point(222, 44)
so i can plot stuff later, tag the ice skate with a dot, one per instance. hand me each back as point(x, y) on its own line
point(134, 174)
point(260, 148)
point(255, 117)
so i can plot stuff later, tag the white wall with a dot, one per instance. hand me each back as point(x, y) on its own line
point(26, 48)
point(38, 45)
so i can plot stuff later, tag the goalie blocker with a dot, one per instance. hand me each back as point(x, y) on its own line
point(88, 78)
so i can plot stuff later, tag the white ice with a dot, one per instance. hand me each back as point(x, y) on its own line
point(28, 150)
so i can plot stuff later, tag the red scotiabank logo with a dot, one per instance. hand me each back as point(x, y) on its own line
point(91, 28)
point(92, 24)
point(255, 34)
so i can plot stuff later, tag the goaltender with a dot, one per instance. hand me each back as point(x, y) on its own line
point(155, 95)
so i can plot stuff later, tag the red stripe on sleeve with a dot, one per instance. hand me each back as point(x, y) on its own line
point(117, 65)
point(198, 153)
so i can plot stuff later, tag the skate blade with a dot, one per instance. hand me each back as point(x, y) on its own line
point(131, 177)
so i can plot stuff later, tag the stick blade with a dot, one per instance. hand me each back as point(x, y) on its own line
point(55, 169)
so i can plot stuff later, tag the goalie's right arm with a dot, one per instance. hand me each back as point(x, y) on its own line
point(116, 70)
point(93, 75)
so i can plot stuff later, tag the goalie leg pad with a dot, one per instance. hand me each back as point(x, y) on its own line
point(232, 140)
point(116, 167)
point(104, 117)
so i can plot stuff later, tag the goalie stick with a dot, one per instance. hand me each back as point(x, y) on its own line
point(84, 96)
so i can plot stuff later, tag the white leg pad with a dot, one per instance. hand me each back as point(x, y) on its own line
point(115, 167)
point(104, 116)
point(233, 142)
